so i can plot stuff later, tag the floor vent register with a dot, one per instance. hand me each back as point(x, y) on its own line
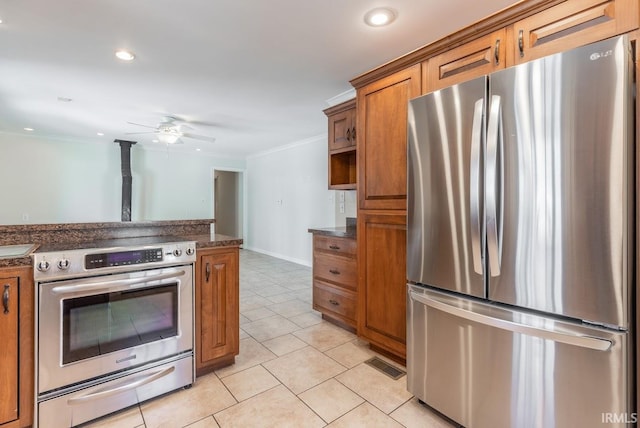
point(386, 368)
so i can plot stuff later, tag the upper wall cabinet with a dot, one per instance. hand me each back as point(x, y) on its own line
point(476, 58)
point(342, 145)
point(342, 125)
point(570, 24)
point(382, 139)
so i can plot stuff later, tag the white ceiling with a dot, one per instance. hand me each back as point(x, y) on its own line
point(257, 72)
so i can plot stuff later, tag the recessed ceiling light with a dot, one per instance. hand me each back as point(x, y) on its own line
point(100, 134)
point(379, 17)
point(65, 99)
point(155, 141)
point(125, 55)
point(197, 150)
point(28, 129)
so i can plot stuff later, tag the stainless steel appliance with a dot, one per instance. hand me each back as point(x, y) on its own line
point(519, 243)
point(114, 326)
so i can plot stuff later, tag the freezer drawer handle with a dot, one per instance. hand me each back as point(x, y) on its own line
point(122, 388)
point(595, 343)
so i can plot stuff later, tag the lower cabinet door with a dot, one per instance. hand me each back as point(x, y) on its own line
point(9, 353)
point(382, 280)
point(217, 307)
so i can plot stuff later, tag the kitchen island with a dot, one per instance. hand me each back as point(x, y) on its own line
point(216, 328)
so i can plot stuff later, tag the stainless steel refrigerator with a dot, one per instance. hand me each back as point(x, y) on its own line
point(520, 243)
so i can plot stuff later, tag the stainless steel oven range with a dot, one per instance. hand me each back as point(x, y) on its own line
point(114, 326)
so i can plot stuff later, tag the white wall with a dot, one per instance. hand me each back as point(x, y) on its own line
point(350, 206)
point(62, 182)
point(287, 194)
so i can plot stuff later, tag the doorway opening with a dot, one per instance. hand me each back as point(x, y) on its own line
point(228, 202)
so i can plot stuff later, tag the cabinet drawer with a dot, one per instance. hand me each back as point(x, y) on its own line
point(339, 270)
point(571, 24)
point(473, 59)
point(331, 244)
point(327, 298)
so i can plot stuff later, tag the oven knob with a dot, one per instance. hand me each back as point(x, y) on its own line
point(43, 266)
point(63, 264)
point(190, 251)
point(177, 252)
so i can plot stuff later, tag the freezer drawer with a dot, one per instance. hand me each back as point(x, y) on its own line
point(486, 366)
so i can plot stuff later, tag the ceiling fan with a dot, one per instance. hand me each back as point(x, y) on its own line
point(171, 131)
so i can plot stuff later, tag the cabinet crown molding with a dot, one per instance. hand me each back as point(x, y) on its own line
point(489, 24)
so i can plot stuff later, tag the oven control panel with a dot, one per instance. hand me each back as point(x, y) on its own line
point(77, 262)
point(122, 258)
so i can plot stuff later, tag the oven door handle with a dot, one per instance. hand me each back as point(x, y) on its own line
point(120, 389)
point(108, 285)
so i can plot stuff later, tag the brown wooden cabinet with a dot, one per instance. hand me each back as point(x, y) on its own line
point(335, 279)
point(382, 178)
point(16, 357)
point(9, 356)
point(570, 24)
point(342, 145)
point(217, 308)
point(476, 58)
point(382, 139)
point(556, 29)
point(382, 288)
point(342, 125)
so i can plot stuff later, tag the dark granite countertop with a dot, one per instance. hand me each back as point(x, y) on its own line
point(202, 241)
point(340, 232)
point(15, 261)
point(210, 241)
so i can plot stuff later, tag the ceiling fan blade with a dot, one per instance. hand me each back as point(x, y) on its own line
point(145, 132)
point(198, 137)
point(140, 124)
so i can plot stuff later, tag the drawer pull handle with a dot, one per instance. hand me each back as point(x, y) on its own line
point(334, 271)
point(521, 43)
point(334, 302)
point(334, 247)
point(5, 299)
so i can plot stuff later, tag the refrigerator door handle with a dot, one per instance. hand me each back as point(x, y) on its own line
point(474, 187)
point(494, 186)
point(594, 343)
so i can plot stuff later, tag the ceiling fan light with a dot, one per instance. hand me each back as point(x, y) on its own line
point(168, 138)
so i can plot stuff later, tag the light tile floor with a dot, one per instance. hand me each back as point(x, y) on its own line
point(294, 369)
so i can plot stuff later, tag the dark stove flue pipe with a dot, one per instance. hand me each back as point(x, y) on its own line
point(127, 179)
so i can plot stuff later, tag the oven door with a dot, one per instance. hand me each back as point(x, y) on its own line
point(92, 327)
